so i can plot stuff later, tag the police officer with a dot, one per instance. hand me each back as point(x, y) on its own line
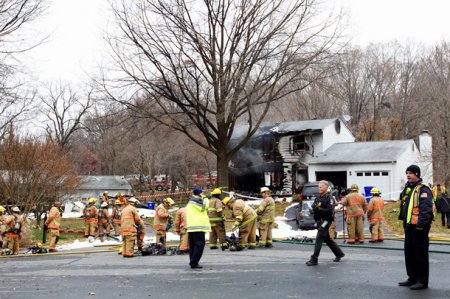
point(323, 211)
point(416, 211)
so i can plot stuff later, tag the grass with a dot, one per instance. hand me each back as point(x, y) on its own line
point(391, 210)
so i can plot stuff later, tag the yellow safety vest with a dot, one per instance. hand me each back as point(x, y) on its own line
point(197, 219)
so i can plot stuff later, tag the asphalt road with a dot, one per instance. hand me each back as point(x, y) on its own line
point(265, 273)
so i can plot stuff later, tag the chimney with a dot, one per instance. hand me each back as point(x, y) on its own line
point(425, 143)
point(426, 155)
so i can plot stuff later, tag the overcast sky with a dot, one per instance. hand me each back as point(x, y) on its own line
point(76, 45)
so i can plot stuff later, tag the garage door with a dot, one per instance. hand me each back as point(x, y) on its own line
point(379, 179)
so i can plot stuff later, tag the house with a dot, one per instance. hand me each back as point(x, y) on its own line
point(94, 186)
point(286, 155)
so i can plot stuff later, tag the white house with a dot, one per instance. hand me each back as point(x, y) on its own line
point(94, 186)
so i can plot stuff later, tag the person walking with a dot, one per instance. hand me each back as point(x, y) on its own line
point(197, 225)
point(375, 216)
point(215, 214)
point(356, 207)
point(266, 218)
point(323, 211)
point(416, 212)
point(53, 224)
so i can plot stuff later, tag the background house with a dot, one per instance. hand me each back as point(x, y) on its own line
point(94, 186)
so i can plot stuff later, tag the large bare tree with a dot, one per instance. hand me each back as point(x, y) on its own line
point(201, 67)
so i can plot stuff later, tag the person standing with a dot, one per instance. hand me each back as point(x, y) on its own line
point(443, 205)
point(323, 211)
point(375, 216)
point(116, 216)
point(197, 222)
point(104, 220)
point(356, 207)
point(53, 224)
point(266, 218)
point(180, 228)
point(129, 222)
point(3, 217)
point(162, 219)
point(215, 214)
point(14, 225)
point(416, 212)
point(90, 214)
point(245, 222)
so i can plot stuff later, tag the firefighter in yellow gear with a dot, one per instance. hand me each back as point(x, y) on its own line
point(104, 220)
point(3, 240)
point(53, 223)
point(245, 221)
point(216, 221)
point(90, 214)
point(375, 216)
point(129, 222)
point(162, 219)
point(266, 218)
point(180, 228)
point(116, 215)
point(140, 235)
point(14, 225)
point(356, 207)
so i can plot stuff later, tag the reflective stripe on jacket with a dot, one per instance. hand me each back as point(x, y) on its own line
point(129, 221)
point(243, 213)
point(420, 206)
point(266, 210)
point(197, 219)
point(375, 209)
point(215, 210)
point(161, 218)
point(356, 205)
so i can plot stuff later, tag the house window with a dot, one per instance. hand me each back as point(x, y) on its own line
point(376, 173)
point(368, 173)
point(384, 173)
point(359, 174)
point(299, 143)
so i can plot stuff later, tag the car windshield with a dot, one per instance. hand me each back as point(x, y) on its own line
point(310, 190)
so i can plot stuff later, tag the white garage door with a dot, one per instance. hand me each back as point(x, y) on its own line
point(379, 179)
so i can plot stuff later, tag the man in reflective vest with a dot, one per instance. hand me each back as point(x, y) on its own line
point(356, 207)
point(215, 214)
point(416, 211)
point(130, 221)
point(197, 222)
point(375, 216)
point(180, 228)
point(266, 218)
point(245, 222)
point(53, 223)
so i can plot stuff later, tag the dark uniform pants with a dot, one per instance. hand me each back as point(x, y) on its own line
point(323, 235)
point(416, 254)
point(445, 215)
point(196, 246)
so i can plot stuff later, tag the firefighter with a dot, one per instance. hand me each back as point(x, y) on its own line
point(438, 192)
point(14, 225)
point(130, 220)
point(53, 224)
point(104, 220)
point(2, 227)
point(356, 208)
point(266, 218)
point(90, 214)
point(215, 214)
point(140, 236)
point(115, 215)
point(162, 220)
point(245, 222)
point(180, 228)
point(375, 216)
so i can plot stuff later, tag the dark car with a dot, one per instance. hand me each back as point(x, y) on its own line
point(311, 190)
point(304, 217)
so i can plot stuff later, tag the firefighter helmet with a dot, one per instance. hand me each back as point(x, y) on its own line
point(169, 201)
point(2, 209)
point(375, 191)
point(132, 199)
point(92, 200)
point(216, 191)
point(264, 189)
point(117, 202)
point(226, 200)
point(354, 187)
point(16, 210)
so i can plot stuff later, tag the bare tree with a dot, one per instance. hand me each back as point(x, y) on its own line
point(204, 66)
point(64, 111)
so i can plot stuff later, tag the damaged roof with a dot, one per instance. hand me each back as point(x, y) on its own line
point(363, 152)
point(303, 125)
point(107, 182)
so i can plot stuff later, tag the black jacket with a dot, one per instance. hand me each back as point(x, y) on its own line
point(443, 204)
point(425, 204)
point(323, 208)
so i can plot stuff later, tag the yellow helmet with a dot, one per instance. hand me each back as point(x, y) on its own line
point(216, 191)
point(354, 187)
point(375, 191)
point(169, 201)
point(2, 209)
point(117, 202)
point(226, 200)
point(92, 200)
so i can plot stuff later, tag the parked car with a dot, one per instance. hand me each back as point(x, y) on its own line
point(304, 217)
point(311, 190)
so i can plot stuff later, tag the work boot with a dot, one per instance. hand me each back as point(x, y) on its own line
point(406, 283)
point(213, 247)
point(196, 266)
point(251, 247)
point(311, 262)
point(418, 286)
point(380, 240)
point(338, 258)
point(373, 241)
point(269, 245)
